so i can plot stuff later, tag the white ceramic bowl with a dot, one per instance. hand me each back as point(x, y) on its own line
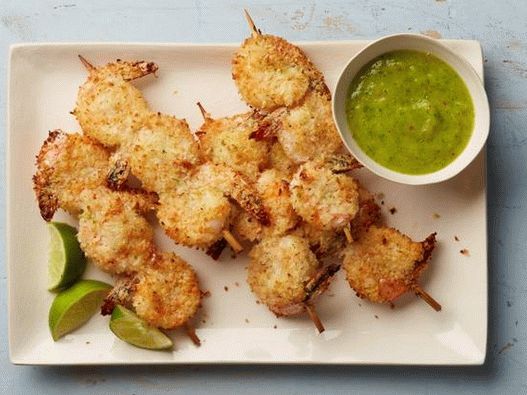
point(461, 66)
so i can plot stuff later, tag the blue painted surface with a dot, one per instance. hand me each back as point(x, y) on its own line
point(502, 29)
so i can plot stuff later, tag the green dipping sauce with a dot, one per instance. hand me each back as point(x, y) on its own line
point(410, 112)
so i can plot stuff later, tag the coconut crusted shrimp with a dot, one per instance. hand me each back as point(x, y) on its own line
point(109, 108)
point(322, 198)
point(226, 141)
point(383, 264)
point(71, 171)
point(67, 164)
point(199, 212)
point(273, 188)
point(113, 231)
point(156, 148)
point(160, 150)
point(276, 77)
point(165, 293)
point(160, 154)
point(329, 203)
point(271, 72)
point(286, 276)
point(308, 130)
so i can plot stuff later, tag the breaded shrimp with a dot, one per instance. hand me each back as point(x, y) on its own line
point(165, 293)
point(276, 77)
point(109, 108)
point(383, 264)
point(198, 212)
point(161, 153)
point(281, 161)
point(322, 198)
point(286, 276)
point(67, 164)
point(271, 72)
point(307, 130)
point(113, 231)
point(273, 188)
point(226, 141)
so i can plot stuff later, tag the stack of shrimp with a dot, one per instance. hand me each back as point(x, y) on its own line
point(275, 176)
point(113, 232)
point(317, 210)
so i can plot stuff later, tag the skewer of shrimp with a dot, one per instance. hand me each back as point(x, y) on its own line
point(285, 275)
point(161, 152)
point(71, 172)
point(383, 264)
point(276, 77)
point(113, 232)
point(165, 293)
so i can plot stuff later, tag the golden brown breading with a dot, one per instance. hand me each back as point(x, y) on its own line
point(281, 162)
point(285, 275)
point(383, 263)
point(67, 164)
point(226, 141)
point(322, 198)
point(161, 152)
point(273, 188)
point(165, 293)
point(307, 131)
point(194, 217)
point(271, 72)
point(113, 231)
point(199, 210)
point(109, 108)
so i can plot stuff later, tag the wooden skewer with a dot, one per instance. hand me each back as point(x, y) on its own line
point(204, 112)
point(236, 246)
point(314, 317)
point(347, 232)
point(427, 298)
point(256, 32)
point(191, 333)
point(90, 67)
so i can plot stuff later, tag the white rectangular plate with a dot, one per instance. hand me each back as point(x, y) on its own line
point(43, 84)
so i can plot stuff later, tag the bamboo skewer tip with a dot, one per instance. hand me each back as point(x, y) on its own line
point(90, 67)
point(315, 318)
point(255, 30)
point(347, 232)
point(204, 112)
point(191, 333)
point(427, 298)
point(235, 244)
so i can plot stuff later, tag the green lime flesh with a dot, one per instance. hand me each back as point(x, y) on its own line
point(66, 262)
point(128, 327)
point(74, 306)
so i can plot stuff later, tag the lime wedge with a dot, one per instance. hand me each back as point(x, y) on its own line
point(74, 306)
point(130, 328)
point(66, 259)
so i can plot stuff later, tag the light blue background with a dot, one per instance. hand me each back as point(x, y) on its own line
point(501, 26)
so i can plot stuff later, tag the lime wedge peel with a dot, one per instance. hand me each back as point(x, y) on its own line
point(128, 327)
point(66, 261)
point(75, 306)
